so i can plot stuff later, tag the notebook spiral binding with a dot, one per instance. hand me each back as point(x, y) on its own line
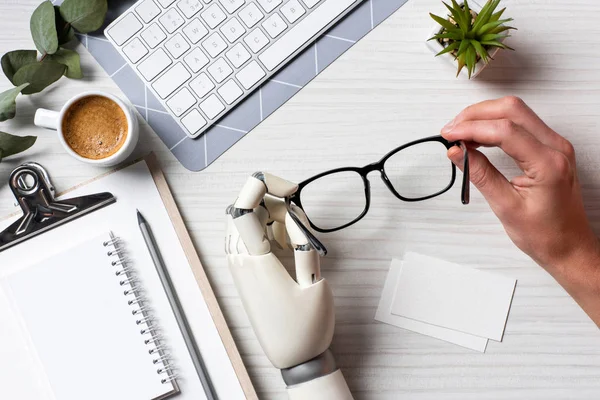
point(131, 290)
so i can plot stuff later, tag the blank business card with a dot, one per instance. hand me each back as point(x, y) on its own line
point(448, 295)
point(384, 314)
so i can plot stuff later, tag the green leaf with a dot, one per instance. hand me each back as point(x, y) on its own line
point(8, 105)
point(449, 35)
point(485, 14)
point(481, 51)
point(84, 15)
point(40, 75)
point(43, 28)
point(64, 30)
point(492, 36)
point(464, 45)
point(69, 59)
point(502, 28)
point(11, 144)
point(14, 60)
point(456, 16)
point(471, 59)
point(451, 47)
point(461, 63)
point(492, 25)
point(496, 16)
point(443, 22)
point(467, 13)
point(461, 21)
point(495, 43)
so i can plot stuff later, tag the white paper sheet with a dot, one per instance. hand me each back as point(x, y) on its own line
point(453, 296)
point(135, 189)
point(384, 314)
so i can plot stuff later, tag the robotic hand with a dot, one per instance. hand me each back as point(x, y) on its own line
point(293, 320)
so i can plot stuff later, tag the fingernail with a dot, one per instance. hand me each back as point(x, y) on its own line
point(449, 126)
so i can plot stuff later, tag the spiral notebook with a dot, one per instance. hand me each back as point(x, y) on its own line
point(89, 325)
point(71, 327)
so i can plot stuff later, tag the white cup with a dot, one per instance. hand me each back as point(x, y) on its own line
point(54, 119)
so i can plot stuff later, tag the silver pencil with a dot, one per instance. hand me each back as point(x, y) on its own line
point(177, 309)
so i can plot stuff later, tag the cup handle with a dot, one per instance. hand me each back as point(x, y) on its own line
point(46, 118)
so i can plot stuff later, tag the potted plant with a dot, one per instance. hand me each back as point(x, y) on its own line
point(470, 35)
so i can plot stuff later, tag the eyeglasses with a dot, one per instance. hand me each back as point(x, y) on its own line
point(416, 171)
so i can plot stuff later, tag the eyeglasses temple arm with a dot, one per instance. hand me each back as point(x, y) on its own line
point(466, 187)
point(312, 239)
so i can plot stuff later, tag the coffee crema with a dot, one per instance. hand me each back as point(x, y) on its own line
point(95, 127)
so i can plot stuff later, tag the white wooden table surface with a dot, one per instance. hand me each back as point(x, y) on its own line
point(385, 91)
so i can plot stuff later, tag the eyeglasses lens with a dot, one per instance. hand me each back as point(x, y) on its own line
point(334, 200)
point(419, 171)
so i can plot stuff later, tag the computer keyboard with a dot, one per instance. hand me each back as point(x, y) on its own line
point(202, 57)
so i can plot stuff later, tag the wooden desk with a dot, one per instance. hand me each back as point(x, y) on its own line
point(386, 91)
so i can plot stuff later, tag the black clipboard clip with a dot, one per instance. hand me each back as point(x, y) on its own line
point(31, 186)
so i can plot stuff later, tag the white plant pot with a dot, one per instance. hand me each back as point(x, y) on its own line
point(436, 47)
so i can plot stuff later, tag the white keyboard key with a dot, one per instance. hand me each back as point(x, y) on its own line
point(292, 10)
point(195, 31)
point(251, 15)
point(274, 25)
point(202, 85)
point(232, 5)
point(189, 8)
point(181, 102)
point(123, 30)
point(177, 45)
point(196, 60)
point(166, 3)
point(193, 122)
point(171, 80)
point(230, 91)
point(303, 32)
point(213, 16)
point(171, 20)
point(233, 30)
point(153, 36)
point(220, 70)
point(147, 10)
point(238, 55)
point(250, 75)
point(154, 64)
point(256, 40)
point(135, 50)
point(214, 45)
point(212, 106)
point(310, 3)
point(269, 5)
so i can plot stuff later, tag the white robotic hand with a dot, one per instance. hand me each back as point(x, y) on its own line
point(293, 319)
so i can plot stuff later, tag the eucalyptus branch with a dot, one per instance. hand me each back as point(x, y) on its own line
point(51, 28)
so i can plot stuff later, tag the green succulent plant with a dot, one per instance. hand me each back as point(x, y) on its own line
point(469, 36)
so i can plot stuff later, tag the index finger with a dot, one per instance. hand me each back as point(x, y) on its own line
point(516, 110)
point(527, 151)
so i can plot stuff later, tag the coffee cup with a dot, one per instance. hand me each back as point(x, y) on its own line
point(94, 127)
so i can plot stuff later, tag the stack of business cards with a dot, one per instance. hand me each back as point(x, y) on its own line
point(460, 305)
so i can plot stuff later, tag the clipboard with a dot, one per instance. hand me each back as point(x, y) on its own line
point(105, 199)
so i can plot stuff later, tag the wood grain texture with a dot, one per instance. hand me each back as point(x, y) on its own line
point(385, 91)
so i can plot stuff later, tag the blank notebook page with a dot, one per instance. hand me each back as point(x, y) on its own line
point(82, 328)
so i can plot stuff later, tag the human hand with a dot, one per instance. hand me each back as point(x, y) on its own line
point(542, 210)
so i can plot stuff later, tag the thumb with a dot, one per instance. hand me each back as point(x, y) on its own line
point(494, 186)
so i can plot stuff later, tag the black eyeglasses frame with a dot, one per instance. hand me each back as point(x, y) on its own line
point(380, 167)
